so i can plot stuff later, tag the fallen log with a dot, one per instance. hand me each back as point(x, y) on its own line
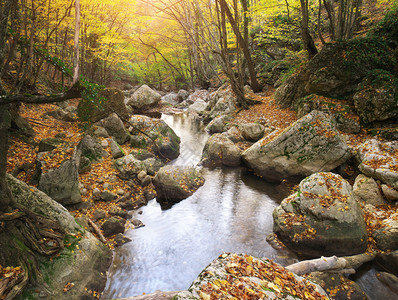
point(346, 264)
point(97, 231)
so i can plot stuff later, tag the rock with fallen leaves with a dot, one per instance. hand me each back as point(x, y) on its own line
point(377, 100)
point(117, 151)
point(83, 260)
point(144, 98)
point(379, 160)
point(366, 190)
point(128, 167)
point(220, 150)
point(62, 183)
point(321, 218)
point(240, 276)
point(222, 102)
point(217, 125)
point(252, 131)
point(90, 148)
point(338, 286)
point(113, 226)
point(386, 236)
point(175, 183)
point(115, 128)
point(167, 143)
point(310, 145)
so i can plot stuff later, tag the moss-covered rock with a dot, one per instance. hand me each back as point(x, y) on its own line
point(309, 145)
point(79, 267)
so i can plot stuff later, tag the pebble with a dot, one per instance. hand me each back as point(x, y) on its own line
point(96, 192)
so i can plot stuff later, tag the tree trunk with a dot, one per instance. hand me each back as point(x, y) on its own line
point(77, 31)
point(256, 87)
point(5, 123)
point(309, 44)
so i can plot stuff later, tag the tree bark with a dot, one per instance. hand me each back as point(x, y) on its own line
point(256, 87)
point(309, 44)
point(77, 31)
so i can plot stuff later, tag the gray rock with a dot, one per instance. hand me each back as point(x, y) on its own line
point(152, 165)
point(84, 165)
point(367, 191)
point(331, 281)
point(101, 132)
point(222, 102)
point(198, 95)
point(114, 126)
point(220, 150)
point(167, 142)
point(182, 95)
point(387, 236)
point(63, 115)
point(388, 262)
point(113, 226)
point(322, 218)
point(117, 151)
point(99, 214)
point(90, 148)
point(217, 125)
point(144, 98)
point(121, 239)
point(264, 284)
point(49, 144)
point(137, 223)
point(198, 107)
point(171, 98)
point(128, 167)
point(234, 134)
point(292, 89)
point(252, 131)
point(96, 192)
point(175, 183)
point(310, 145)
point(379, 160)
point(108, 196)
point(84, 268)
point(377, 101)
point(114, 102)
point(390, 193)
point(62, 184)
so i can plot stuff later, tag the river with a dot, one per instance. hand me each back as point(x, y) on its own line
point(232, 212)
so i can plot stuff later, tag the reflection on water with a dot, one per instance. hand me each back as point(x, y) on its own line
point(232, 212)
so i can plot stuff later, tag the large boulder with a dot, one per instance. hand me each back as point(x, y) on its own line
point(240, 276)
point(220, 150)
point(128, 167)
point(367, 191)
point(90, 148)
point(175, 183)
point(114, 126)
point(380, 161)
point(167, 142)
point(336, 70)
point(144, 98)
point(386, 236)
point(198, 107)
point(252, 131)
point(322, 218)
point(222, 102)
point(113, 101)
point(62, 183)
point(378, 99)
point(312, 144)
point(83, 262)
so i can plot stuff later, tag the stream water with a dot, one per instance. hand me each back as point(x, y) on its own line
point(232, 212)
